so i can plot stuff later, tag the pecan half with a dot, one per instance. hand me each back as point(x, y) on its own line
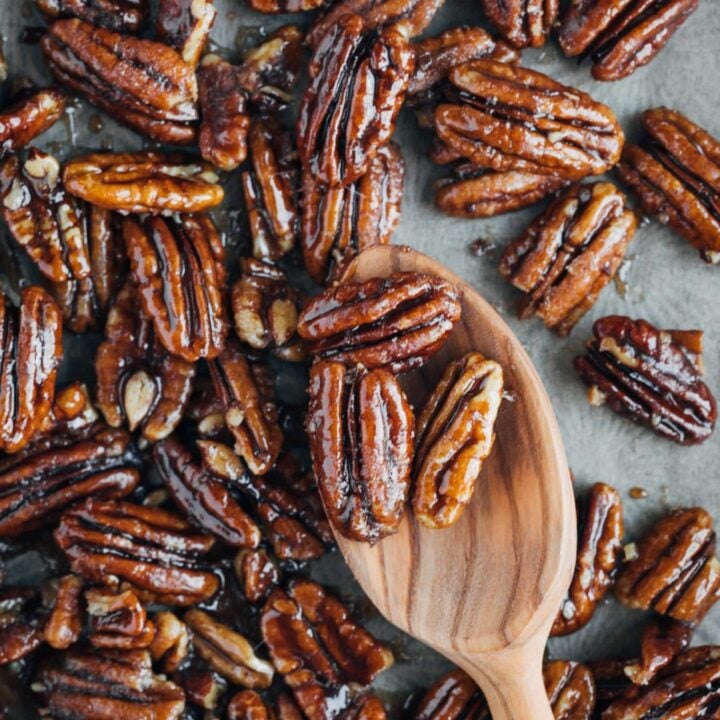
point(525, 23)
point(30, 352)
point(663, 640)
point(338, 222)
point(177, 264)
point(20, 633)
point(64, 624)
point(455, 433)
point(366, 707)
point(571, 690)
point(170, 645)
point(395, 322)
point(360, 428)
point(454, 696)
point(507, 117)
point(185, 26)
point(154, 550)
point(674, 173)
point(358, 79)
point(117, 620)
point(143, 182)
point(675, 570)
point(118, 15)
point(257, 573)
point(72, 414)
point(248, 705)
point(649, 376)
point(600, 534)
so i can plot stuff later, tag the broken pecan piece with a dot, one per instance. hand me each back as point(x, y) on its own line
point(72, 415)
point(358, 79)
point(117, 620)
point(64, 624)
point(338, 222)
point(525, 23)
point(663, 640)
point(171, 641)
point(649, 376)
point(600, 534)
point(366, 707)
point(454, 696)
point(248, 705)
point(185, 26)
point(455, 434)
point(20, 633)
point(571, 690)
point(257, 573)
point(119, 15)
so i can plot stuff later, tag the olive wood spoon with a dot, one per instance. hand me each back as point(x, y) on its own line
point(483, 592)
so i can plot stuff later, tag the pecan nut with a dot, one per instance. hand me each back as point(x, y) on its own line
point(395, 322)
point(358, 80)
point(185, 26)
point(455, 434)
point(248, 705)
point(454, 696)
point(153, 550)
point(117, 620)
point(571, 690)
point(673, 172)
point(366, 707)
point(20, 634)
point(64, 624)
point(674, 570)
point(72, 414)
point(525, 23)
point(257, 573)
point(119, 15)
point(170, 645)
point(338, 222)
point(600, 534)
point(360, 428)
point(649, 376)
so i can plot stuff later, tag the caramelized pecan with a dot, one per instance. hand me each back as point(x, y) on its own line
point(248, 705)
point(358, 79)
point(152, 549)
point(118, 15)
point(360, 428)
point(455, 433)
point(177, 264)
point(663, 639)
point(674, 174)
point(117, 620)
point(600, 534)
point(525, 23)
point(366, 707)
point(64, 624)
point(611, 682)
point(20, 633)
point(674, 570)
point(257, 573)
point(395, 322)
point(454, 696)
point(649, 376)
point(203, 688)
point(72, 414)
point(171, 641)
point(571, 690)
point(185, 26)
point(338, 222)
point(287, 709)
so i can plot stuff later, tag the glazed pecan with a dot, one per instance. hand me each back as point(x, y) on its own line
point(248, 705)
point(203, 688)
point(525, 23)
point(454, 696)
point(118, 15)
point(107, 686)
point(649, 376)
point(600, 534)
point(286, 708)
point(20, 633)
point(663, 640)
point(64, 624)
point(72, 414)
point(621, 35)
point(171, 641)
point(117, 620)
point(674, 174)
point(257, 574)
point(227, 652)
point(366, 707)
point(674, 570)
point(571, 690)
point(143, 182)
point(338, 222)
point(30, 352)
point(360, 428)
point(358, 79)
point(177, 264)
point(395, 322)
point(611, 682)
point(185, 26)
point(153, 550)
point(507, 117)
point(455, 433)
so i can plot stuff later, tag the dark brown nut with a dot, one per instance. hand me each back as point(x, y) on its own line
point(339, 222)
point(203, 497)
point(117, 620)
point(611, 682)
point(454, 696)
point(673, 568)
point(152, 549)
point(31, 341)
point(118, 15)
point(600, 535)
point(360, 428)
point(663, 640)
point(358, 79)
point(138, 382)
point(648, 376)
point(227, 652)
point(257, 573)
point(64, 624)
point(143, 182)
point(248, 705)
point(674, 174)
point(177, 264)
point(287, 709)
point(366, 707)
point(455, 434)
point(170, 645)
point(395, 322)
point(72, 415)
point(571, 690)
point(203, 688)
point(507, 117)
point(88, 685)
point(285, 6)
point(20, 634)
point(621, 35)
point(525, 23)
point(185, 26)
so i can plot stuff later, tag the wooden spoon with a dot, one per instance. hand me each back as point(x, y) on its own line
point(485, 591)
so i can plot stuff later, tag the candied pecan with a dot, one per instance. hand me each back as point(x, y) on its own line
point(152, 549)
point(338, 222)
point(203, 688)
point(674, 173)
point(72, 414)
point(227, 652)
point(171, 641)
point(395, 322)
point(358, 79)
point(600, 534)
point(285, 6)
point(257, 573)
point(366, 707)
point(675, 570)
point(107, 686)
point(663, 639)
point(118, 15)
point(571, 690)
point(507, 117)
point(455, 433)
point(650, 377)
point(143, 182)
point(287, 709)
point(185, 26)
point(611, 682)
point(20, 634)
point(360, 428)
point(454, 696)
point(117, 620)
point(178, 266)
point(248, 705)
point(525, 23)
point(64, 624)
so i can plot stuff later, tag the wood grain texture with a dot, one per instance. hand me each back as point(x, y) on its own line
point(485, 591)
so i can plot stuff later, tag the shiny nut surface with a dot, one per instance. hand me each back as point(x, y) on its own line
point(31, 114)
point(525, 23)
point(571, 690)
point(454, 696)
point(185, 26)
point(118, 15)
